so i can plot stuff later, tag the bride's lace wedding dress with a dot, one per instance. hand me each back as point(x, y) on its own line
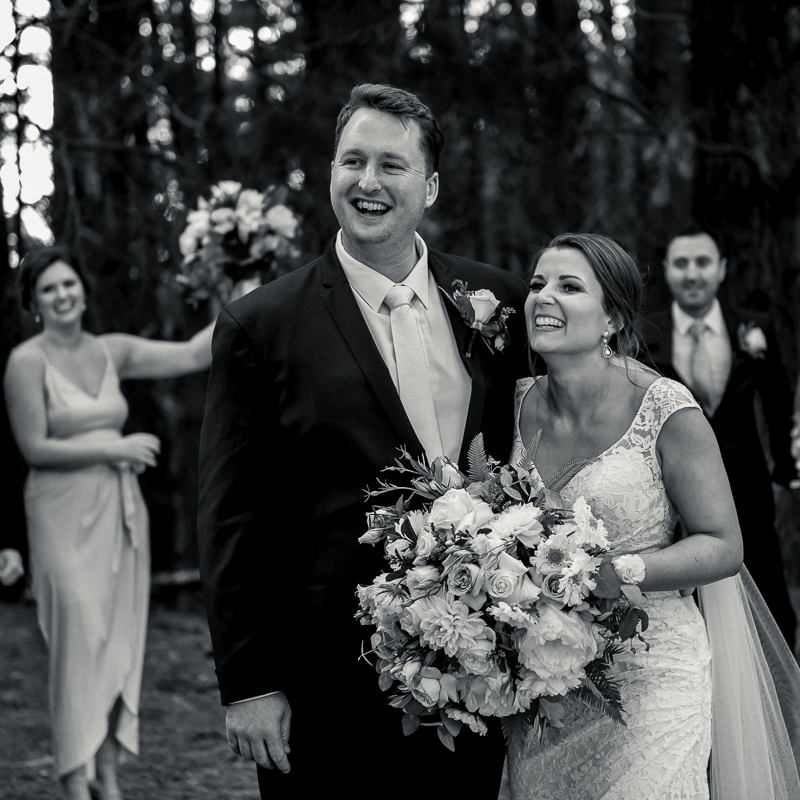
point(662, 752)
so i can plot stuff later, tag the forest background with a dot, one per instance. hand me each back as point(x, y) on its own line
point(634, 118)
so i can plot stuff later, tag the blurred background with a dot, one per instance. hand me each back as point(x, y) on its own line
point(633, 118)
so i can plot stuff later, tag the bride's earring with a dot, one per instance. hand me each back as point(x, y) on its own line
point(37, 317)
point(607, 351)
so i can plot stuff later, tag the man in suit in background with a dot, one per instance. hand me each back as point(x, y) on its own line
point(317, 379)
point(725, 356)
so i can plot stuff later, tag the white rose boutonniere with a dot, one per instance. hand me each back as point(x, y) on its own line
point(481, 310)
point(752, 340)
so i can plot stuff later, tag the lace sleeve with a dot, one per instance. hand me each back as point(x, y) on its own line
point(663, 399)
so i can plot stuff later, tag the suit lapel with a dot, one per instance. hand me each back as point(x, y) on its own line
point(732, 322)
point(340, 302)
point(444, 278)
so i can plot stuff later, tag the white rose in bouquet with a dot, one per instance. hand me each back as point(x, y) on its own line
point(557, 648)
point(520, 522)
point(422, 580)
point(491, 694)
point(249, 212)
point(282, 221)
point(451, 508)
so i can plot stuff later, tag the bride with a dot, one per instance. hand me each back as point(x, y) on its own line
point(639, 449)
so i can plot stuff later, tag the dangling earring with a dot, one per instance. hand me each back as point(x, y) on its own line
point(37, 317)
point(607, 351)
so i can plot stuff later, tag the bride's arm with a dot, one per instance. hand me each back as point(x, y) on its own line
point(696, 482)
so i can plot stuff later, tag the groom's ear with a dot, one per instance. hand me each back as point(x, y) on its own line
point(432, 190)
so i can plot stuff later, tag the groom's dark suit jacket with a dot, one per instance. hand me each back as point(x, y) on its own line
point(301, 417)
point(734, 424)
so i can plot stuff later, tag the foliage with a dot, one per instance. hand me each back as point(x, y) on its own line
point(237, 235)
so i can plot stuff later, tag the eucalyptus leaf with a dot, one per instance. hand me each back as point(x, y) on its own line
point(628, 623)
point(446, 738)
point(410, 724)
point(385, 681)
point(608, 584)
point(452, 725)
point(634, 594)
point(430, 672)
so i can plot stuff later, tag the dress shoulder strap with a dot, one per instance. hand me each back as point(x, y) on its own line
point(663, 399)
point(110, 365)
point(522, 388)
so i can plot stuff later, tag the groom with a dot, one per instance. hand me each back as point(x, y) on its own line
point(316, 381)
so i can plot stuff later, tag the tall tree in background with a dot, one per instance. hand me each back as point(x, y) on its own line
point(745, 82)
point(631, 117)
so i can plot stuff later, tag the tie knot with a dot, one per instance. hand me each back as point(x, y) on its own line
point(697, 329)
point(399, 295)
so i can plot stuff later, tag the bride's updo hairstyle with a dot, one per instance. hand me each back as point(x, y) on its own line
point(620, 279)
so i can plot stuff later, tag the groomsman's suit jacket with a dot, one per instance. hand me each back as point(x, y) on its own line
point(301, 417)
point(734, 424)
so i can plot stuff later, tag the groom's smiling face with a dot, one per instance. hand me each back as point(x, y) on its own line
point(379, 183)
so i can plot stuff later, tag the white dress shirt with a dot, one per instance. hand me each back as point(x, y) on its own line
point(716, 340)
point(451, 384)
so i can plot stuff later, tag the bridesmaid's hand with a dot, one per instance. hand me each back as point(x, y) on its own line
point(139, 450)
point(11, 568)
point(244, 286)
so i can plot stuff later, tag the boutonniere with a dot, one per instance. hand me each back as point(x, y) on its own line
point(752, 341)
point(481, 311)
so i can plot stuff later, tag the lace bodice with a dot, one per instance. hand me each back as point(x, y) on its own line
point(623, 485)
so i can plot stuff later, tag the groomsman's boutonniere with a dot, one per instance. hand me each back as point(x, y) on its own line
point(752, 340)
point(481, 311)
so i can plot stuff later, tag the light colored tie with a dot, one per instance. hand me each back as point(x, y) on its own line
point(413, 381)
point(700, 369)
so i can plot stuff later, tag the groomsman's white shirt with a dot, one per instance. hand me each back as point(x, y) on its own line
point(717, 342)
point(451, 384)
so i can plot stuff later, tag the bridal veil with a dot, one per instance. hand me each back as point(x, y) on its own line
point(756, 696)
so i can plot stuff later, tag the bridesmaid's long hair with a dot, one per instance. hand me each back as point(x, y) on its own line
point(619, 277)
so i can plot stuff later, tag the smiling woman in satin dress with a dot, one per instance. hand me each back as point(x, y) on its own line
point(87, 522)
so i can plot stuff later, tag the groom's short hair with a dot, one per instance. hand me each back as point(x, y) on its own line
point(408, 107)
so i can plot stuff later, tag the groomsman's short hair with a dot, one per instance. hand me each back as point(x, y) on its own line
point(408, 107)
point(695, 230)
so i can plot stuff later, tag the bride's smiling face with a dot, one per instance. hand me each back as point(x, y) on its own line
point(564, 311)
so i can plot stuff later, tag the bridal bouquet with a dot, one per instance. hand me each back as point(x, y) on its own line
point(237, 235)
point(494, 604)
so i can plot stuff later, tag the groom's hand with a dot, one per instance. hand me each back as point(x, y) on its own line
point(259, 730)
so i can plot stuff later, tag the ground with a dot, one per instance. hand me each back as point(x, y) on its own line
point(184, 754)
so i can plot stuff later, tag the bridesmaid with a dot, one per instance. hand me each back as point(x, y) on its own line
point(87, 522)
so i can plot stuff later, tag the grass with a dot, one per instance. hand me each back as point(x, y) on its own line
point(184, 753)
